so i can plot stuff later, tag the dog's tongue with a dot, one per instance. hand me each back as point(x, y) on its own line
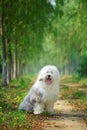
point(48, 81)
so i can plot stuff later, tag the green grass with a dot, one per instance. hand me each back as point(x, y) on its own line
point(70, 79)
point(78, 94)
point(83, 82)
point(74, 94)
point(64, 92)
point(10, 97)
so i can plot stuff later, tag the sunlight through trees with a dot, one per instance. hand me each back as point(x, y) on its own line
point(34, 33)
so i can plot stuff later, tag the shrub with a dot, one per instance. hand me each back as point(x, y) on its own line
point(83, 67)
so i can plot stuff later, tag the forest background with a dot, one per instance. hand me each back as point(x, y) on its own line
point(34, 33)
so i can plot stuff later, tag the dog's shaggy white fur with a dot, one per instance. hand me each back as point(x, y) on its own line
point(43, 93)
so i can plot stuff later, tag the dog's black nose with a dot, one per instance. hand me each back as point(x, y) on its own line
point(49, 76)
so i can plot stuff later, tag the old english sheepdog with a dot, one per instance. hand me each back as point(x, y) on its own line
point(43, 93)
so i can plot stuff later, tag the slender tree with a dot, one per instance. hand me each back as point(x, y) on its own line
point(4, 55)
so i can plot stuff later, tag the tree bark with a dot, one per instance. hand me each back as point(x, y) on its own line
point(4, 57)
point(15, 60)
point(9, 60)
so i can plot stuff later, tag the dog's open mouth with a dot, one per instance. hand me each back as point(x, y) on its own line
point(48, 80)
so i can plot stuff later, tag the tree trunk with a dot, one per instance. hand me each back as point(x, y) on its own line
point(4, 63)
point(79, 57)
point(15, 60)
point(9, 60)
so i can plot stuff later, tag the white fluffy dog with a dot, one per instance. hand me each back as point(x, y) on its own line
point(43, 93)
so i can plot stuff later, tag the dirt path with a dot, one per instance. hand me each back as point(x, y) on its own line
point(67, 117)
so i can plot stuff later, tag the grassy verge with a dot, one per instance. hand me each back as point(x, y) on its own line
point(75, 92)
point(10, 97)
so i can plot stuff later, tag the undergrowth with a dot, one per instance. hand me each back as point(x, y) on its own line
point(10, 97)
point(77, 95)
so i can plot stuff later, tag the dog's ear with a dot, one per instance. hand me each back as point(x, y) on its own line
point(40, 77)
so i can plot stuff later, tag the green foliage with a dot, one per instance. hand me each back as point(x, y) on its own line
point(83, 67)
point(70, 79)
point(83, 82)
point(75, 92)
point(10, 98)
point(53, 35)
point(64, 92)
point(78, 94)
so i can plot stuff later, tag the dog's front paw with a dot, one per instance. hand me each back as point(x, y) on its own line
point(37, 113)
point(38, 108)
